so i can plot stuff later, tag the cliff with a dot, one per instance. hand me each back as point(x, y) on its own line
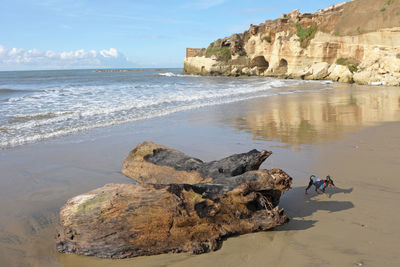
point(357, 41)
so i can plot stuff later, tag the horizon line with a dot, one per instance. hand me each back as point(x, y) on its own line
point(121, 68)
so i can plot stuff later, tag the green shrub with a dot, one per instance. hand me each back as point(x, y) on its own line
point(337, 33)
point(388, 2)
point(222, 53)
point(267, 38)
point(352, 65)
point(383, 9)
point(306, 34)
point(359, 29)
point(341, 61)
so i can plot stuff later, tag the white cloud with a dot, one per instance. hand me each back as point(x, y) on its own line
point(19, 58)
point(112, 52)
point(2, 50)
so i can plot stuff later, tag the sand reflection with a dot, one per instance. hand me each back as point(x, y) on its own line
point(317, 117)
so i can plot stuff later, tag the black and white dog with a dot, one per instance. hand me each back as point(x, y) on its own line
point(320, 183)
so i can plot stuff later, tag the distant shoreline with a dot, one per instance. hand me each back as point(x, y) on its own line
point(124, 70)
point(94, 69)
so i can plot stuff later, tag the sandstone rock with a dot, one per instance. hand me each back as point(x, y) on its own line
point(392, 63)
point(219, 70)
point(235, 72)
point(236, 45)
point(373, 78)
point(294, 14)
point(382, 71)
point(340, 73)
point(246, 71)
point(128, 220)
point(391, 80)
point(364, 77)
point(302, 74)
point(157, 164)
point(331, 68)
point(374, 67)
point(253, 29)
point(318, 71)
point(253, 71)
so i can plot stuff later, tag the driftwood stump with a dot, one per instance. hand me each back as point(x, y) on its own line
point(218, 199)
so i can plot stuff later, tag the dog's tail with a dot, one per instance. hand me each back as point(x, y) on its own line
point(310, 183)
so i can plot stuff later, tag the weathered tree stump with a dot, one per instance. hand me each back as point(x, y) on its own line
point(128, 220)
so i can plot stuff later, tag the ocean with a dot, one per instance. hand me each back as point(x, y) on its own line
point(38, 105)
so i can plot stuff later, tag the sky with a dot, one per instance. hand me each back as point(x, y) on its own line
point(69, 34)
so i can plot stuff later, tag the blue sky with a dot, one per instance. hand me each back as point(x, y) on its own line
point(52, 34)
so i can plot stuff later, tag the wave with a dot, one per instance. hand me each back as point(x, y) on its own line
point(170, 74)
point(34, 116)
point(10, 91)
point(320, 81)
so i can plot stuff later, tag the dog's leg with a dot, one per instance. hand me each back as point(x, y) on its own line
point(309, 185)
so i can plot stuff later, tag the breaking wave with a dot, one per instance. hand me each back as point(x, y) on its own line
point(171, 74)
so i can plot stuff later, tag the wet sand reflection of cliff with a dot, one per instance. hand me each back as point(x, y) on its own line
point(318, 117)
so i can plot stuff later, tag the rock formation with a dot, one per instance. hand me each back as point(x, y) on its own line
point(127, 220)
point(356, 41)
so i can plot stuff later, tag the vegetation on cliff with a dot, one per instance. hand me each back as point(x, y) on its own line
point(219, 50)
point(306, 34)
point(267, 39)
point(351, 64)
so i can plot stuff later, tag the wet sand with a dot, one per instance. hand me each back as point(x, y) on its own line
point(349, 132)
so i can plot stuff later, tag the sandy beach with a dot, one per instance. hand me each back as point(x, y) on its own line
point(349, 132)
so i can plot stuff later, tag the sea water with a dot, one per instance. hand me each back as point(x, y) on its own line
point(38, 105)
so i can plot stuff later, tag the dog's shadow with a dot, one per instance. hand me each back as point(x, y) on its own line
point(337, 190)
point(299, 205)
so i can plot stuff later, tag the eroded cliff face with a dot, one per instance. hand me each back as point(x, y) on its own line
point(356, 41)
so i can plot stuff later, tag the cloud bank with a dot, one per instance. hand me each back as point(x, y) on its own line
point(19, 59)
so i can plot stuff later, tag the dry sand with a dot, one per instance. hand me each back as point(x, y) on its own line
point(350, 132)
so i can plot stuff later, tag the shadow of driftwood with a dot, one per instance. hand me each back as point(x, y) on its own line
point(299, 205)
point(296, 225)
